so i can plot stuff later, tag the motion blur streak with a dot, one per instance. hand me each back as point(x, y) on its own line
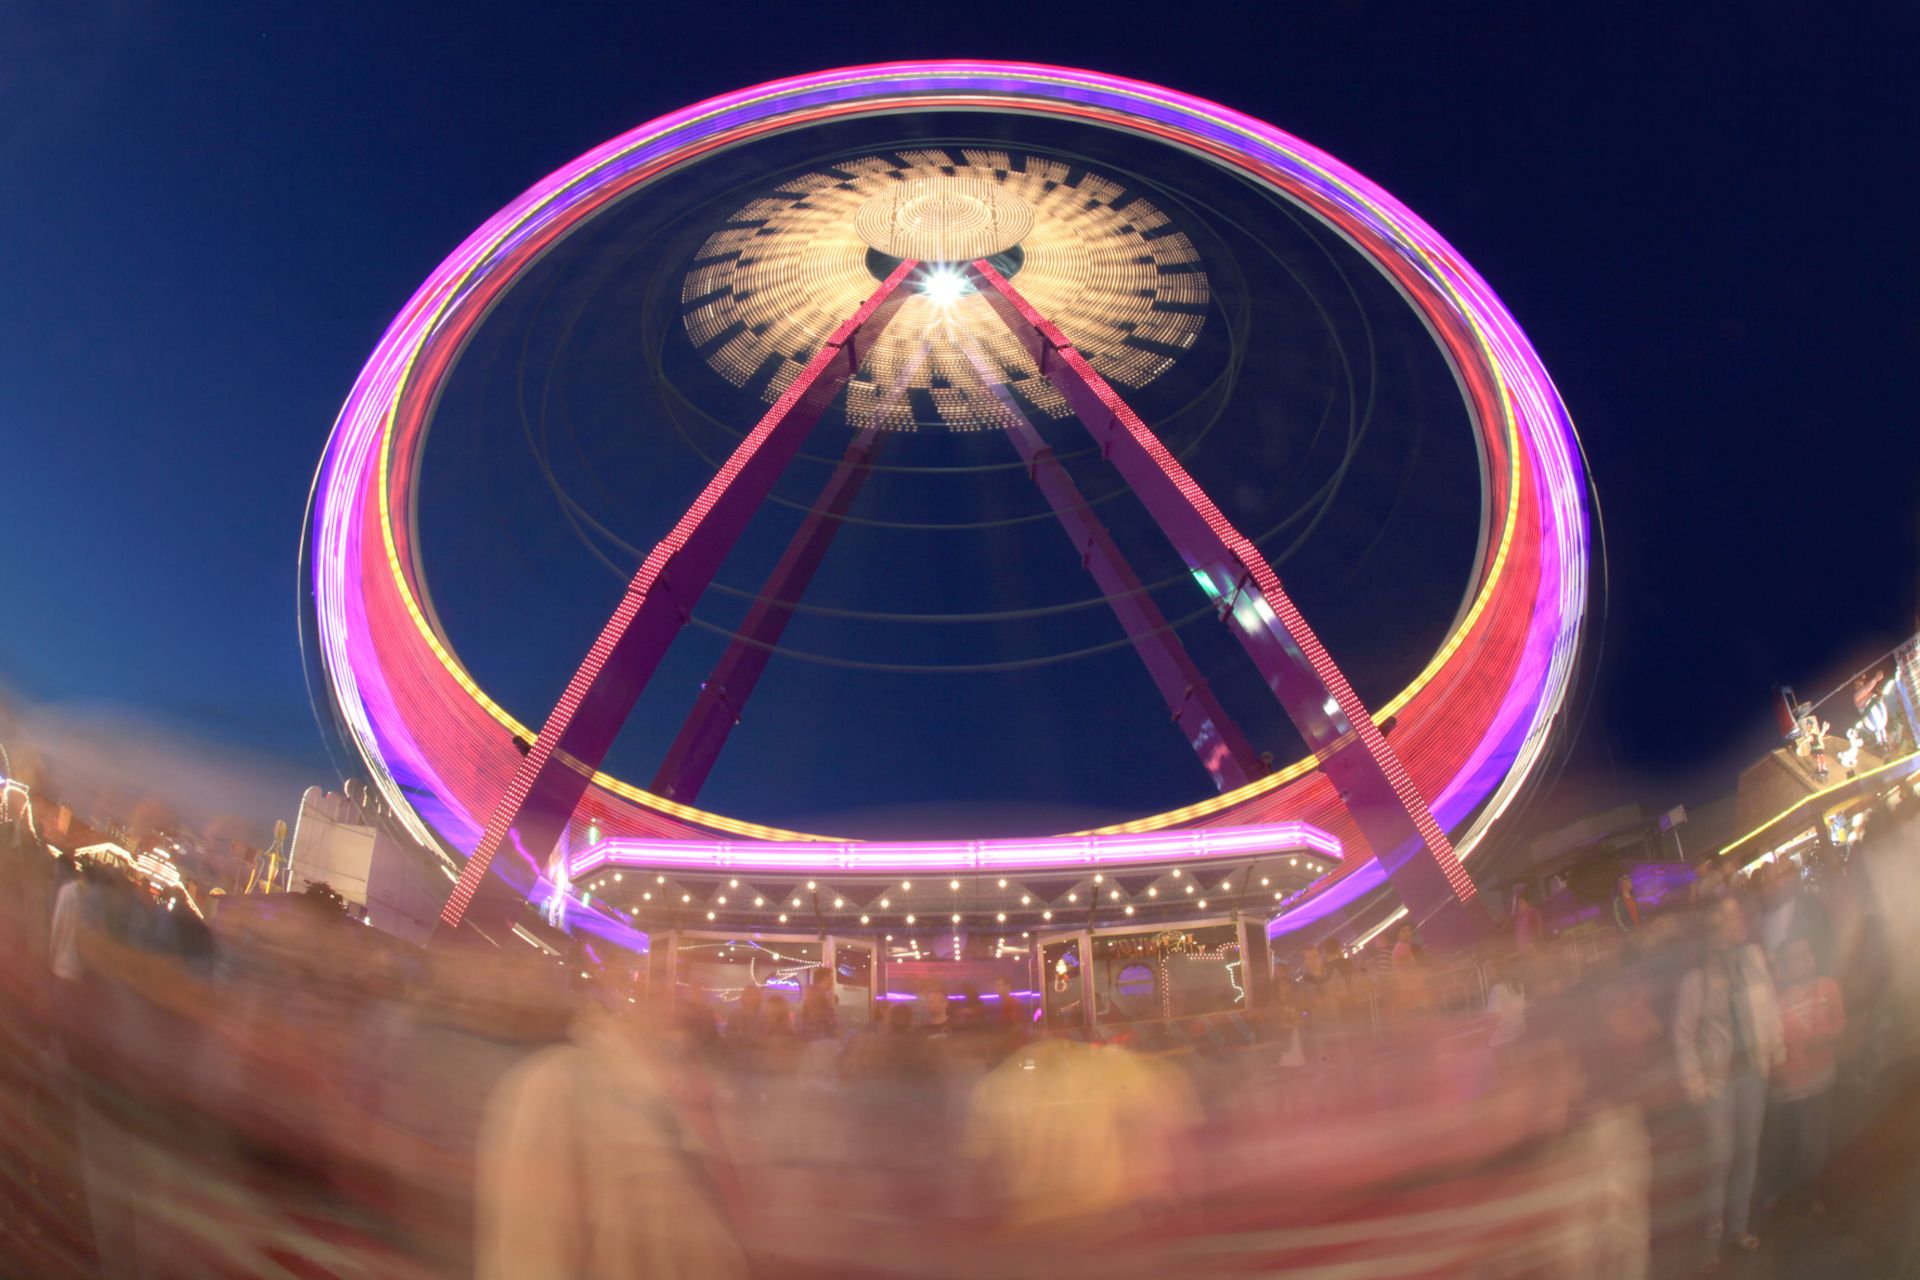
point(288, 1094)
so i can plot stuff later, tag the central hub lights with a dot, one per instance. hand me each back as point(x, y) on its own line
point(944, 285)
point(942, 219)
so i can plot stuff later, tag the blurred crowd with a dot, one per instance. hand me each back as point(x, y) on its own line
point(283, 1092)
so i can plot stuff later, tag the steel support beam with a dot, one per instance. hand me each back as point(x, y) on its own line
point(555, 772)
point(1224, 751)
point(1370, 778)
point(732, 681)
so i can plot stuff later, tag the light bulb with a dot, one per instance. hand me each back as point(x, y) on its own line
point(944, 287)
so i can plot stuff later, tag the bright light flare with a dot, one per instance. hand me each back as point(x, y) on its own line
point(944, 286)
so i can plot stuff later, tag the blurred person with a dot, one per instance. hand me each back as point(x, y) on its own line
point(1313, 976)
point(896, 1124)
point(744, 1023)
point(1278, 1026)
point(972, 1013)
point(431, 1053)
point(1727, 1038)
point(776, 1019)
point(588, 1167)
point(1790, 913)
point(695, 1020)
point(1813, 1018)
point(1715, 881)
point(1529, 927)
point(939, 1017)
point(1075, 1133)
point(1411, 997)
point(899, 1021)
point(778, 1043)
point(183, 933)
point(1010, 1022)
point(1626, 907)
point(1506, 1008)
point(1008, 1013)
point(867, 1051)
point(70, 904)
point(819, 1014)
point(139, 1015)
point(1323, 995)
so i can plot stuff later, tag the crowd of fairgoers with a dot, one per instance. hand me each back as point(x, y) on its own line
point(1664, 1090)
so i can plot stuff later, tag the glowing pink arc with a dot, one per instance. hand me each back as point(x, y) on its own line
point(882, 857)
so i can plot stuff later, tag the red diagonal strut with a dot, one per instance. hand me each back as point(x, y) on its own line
point(1223, 749)
point(732, 681)
point(1371, 779)
point(555, 772)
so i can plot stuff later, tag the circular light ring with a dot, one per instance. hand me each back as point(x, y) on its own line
point(1470, 727)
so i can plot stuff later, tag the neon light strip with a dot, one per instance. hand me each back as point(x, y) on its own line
point(889, 858)
point(1823, 793)
point(1326, 710)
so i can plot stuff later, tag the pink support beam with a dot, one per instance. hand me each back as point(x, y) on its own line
point(732, 681)
point(554, 773)
point(1223, 749)
point(1354, 754)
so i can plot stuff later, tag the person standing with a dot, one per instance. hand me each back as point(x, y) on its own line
point(744, 1023)
point(1411, 998)
point(819, 1011)
point(938, 1021)
point(1506, 1009)
point(1009, 1015)
point(63, 931)
point(1727, 1040)
point(1812, 1020)
point(1626, 908)
point(1791, 913)
point(1321, 998)
point(1812, 745)
point(1529, 927)
point(589, 1165)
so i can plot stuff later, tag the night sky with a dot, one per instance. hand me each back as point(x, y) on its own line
point(1702, 216)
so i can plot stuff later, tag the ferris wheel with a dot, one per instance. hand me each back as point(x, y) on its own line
point(996, 261)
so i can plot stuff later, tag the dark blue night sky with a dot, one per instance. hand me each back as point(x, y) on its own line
point(1703, 217)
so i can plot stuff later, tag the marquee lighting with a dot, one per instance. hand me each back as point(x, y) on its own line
point(885, 857)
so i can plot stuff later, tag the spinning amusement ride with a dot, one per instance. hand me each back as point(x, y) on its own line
point(975, 257)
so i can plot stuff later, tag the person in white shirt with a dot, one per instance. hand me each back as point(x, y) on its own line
point(1728, 1040)
point(63, 932)
point(1506, 1009)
